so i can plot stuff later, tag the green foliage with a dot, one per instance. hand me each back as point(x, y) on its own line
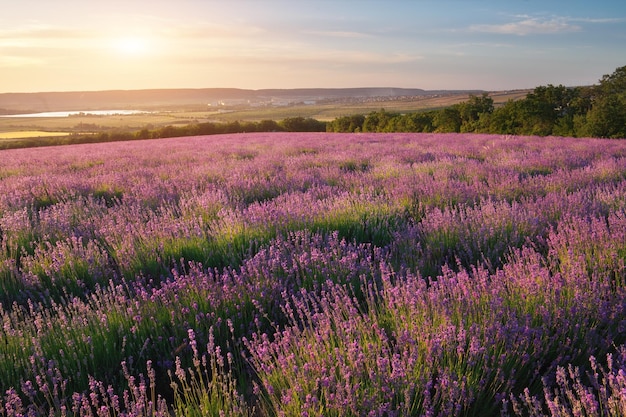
point(268, 126)
point(602, 108)
point(598, 111)
point(447, 120)
point(301, 124)
point(383, 121)
point(346, 124)
point(412, 122)
point(209, 387)
point(473, 110)
point(377, 121)
point(613, 84)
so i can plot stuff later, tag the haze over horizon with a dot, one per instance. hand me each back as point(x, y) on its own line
point(70, 45)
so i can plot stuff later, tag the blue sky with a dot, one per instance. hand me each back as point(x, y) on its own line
point(69, 45)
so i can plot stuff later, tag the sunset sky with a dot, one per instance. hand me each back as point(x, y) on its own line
point(68, 45)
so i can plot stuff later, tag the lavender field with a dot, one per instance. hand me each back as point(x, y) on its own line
point(314, 274)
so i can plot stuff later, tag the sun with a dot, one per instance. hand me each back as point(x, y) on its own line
point(131, 46)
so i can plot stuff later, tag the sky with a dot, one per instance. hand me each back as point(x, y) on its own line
point(88, 45)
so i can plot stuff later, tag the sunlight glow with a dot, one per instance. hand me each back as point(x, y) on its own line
point(131, 46)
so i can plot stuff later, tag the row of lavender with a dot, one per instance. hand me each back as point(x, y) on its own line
point(314, 274)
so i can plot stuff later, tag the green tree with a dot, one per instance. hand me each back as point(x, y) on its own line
point(506, 120)
point(423, 122)
point(301, 124)
point(346, 124)
point(411, 122)
point(144, 133)
point(401, 123)
point(607, 117)
point(356, 123)
point(473, 109)
point(377, 121)
point(269, 126)
point(542, 108)
point(613, 84)
point(547, 110)
point(339, 125)
point(447, 120)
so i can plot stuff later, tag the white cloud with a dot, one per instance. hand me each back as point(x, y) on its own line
point(41, 37)
point(527, 25)
point(339, 34)
point(352, 57)
point(598, 20)
point(301, 55)
point(41, 32)
point(18, 61)
point(210, 31)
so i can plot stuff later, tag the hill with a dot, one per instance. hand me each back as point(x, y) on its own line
point(11, 103)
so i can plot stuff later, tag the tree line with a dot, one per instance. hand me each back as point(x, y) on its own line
point(595, 111)
point(292, 124)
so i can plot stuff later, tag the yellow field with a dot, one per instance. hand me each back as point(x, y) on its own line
point(23, 134)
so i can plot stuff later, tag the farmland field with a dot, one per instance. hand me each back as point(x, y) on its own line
point(307, 274)
point(179, 114)
point(29, 134)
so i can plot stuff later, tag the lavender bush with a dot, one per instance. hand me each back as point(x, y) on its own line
point(314, 274)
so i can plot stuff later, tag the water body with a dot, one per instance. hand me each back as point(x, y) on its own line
point(78, 112)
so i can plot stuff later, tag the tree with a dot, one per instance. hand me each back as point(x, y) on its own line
point(547, 110)
point(506, 119)
point(356, 123)
point(472, 110)
point(423, 122)
point(402, 123)
point(346, 124)
point(607, 117)
point(268, 126)
point(377, 121)
point(613, 84)
point(339, 125)
point(301, 124)
point(144, 133)
point(598, 111)
point(447, 120)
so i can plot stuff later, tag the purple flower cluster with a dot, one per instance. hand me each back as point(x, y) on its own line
point(314, 274)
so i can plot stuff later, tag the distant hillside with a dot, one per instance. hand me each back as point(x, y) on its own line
point(149, 99)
